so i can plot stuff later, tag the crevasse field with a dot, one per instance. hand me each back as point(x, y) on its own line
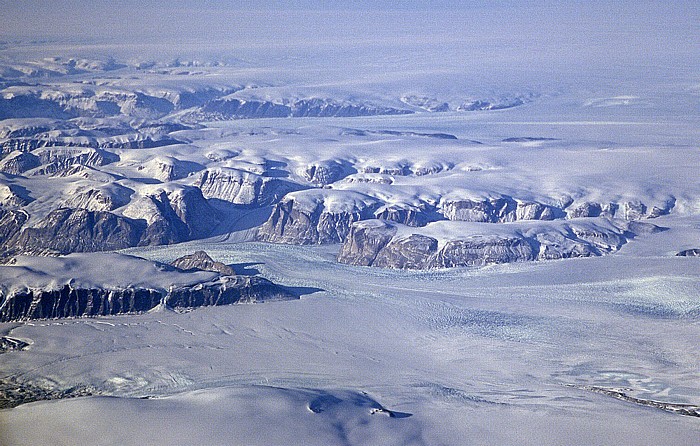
point(597, 102)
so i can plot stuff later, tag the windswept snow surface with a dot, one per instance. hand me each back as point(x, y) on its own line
point(565, 104)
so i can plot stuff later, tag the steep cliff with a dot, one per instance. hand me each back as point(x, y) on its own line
point(316, 216)
point(453, 244)
point(200, 260)
point(172, 216)
point(106, 284)
point(77, 230)
point(241, 187)
point(497, 210)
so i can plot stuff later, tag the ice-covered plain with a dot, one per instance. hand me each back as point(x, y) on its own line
point(470, 224)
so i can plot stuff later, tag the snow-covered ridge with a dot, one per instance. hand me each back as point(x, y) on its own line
point(100, 284)
point(451, 244)
point(160, 153)
point(318, 182)
point(67, 88)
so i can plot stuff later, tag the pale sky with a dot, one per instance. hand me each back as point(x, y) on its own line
point(136, 19)
point(537, 36)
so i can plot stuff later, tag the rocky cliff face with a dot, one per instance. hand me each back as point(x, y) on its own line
point(11, 222)
point(506, 209)
point(160, 218)
point(200, 260)
point(316, 107)
point(50, 103)
point(554, 245)
point(16, 163)
point(326, 172)
point(71, 302)
point(408, 215)
point(121, 141)
point(380, 243)
point(223, 109)
point(316, 217)
point(27, 304)
point(413, 252)
point(225, 291)
point(193, 210)
point(483, 250)
point(365, 240)
point(76, 230)
point(241, 187)
point(175, 216)
point(55, 159)
point(497, 210)
point(325, 215)
point(628, 210)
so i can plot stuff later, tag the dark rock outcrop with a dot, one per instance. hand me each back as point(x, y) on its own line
point(481, 104)
point(506, 209)
point(194, 210)
point(604, 241)
point(413, 252)
point(376, 243)
point(317, 107)
point(318, 220)
point(225, 291)
point(11, 344)
point(11, 223)
point(326, 172)
point(180, 215)
point(72, 302)
point(365, 241)
point(497, 210)
point(553, 246)
point(634, 210)
point(676, 408)
point(13, 393)
point(67, 301)
point(483, 250)
point(76, 230)
point(407, 215)
point(223, 109)
point(695, 252)
point(586, 209)
point(16, 163)
point(200, 260)
point(244, 188)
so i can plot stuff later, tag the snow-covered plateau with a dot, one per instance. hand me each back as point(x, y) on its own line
point(449, 225)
